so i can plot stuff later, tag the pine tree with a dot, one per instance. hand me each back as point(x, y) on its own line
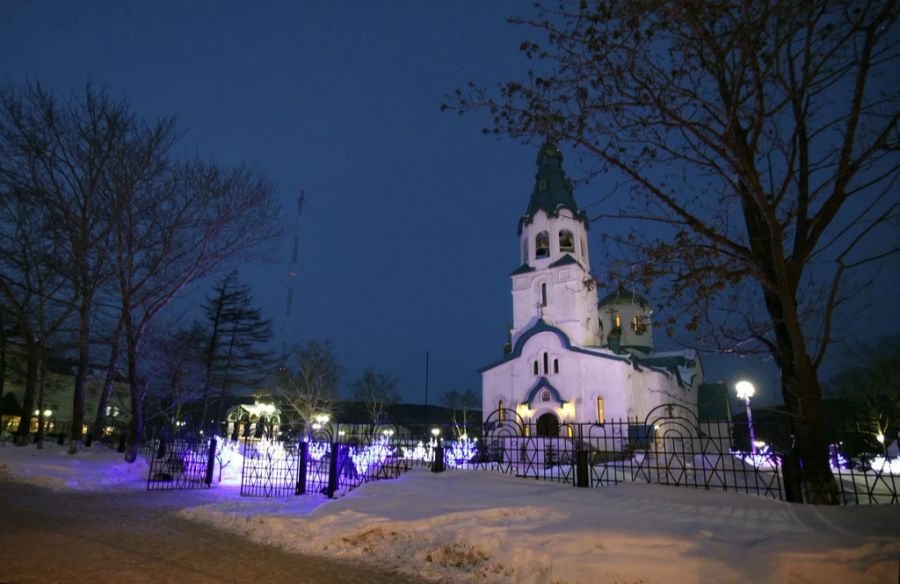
point(236, 351)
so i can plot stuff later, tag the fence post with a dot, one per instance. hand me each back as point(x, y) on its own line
point(211, 461)
point(301, 470)
point(333, 470)
point(437, 465)
point(581, 468)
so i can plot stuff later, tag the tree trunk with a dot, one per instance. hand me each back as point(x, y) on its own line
point(31, 374)
point(137, 394)
point(84, 356)
point(802, 395)
point(109, 382)
point(42, 420)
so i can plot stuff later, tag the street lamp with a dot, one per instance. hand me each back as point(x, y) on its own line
point(880, 438)
point(745, 391)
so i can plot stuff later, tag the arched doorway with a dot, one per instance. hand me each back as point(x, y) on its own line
point(548, 425)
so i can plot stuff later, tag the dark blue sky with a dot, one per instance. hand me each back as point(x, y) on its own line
point(409, 228)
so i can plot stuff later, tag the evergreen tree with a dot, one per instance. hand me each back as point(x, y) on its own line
point(236, 351)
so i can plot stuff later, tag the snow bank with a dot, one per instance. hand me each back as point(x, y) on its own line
point(91, 469)
point(470, 526)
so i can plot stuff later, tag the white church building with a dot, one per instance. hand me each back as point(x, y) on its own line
point(572, 358)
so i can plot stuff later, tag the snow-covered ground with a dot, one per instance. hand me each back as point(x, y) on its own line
point(473, 526)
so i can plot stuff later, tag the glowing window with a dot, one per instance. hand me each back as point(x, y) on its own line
point(566, 241)
point(542, 245)
point(502, 411)
point(617, 321)
point(601, 413)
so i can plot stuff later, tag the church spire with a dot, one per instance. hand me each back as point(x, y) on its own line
point(552, 189)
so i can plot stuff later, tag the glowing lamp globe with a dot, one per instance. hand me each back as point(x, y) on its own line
point(435, 432)
point(745, 389)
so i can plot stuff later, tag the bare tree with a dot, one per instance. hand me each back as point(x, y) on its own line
point(758, 141)
point(176, 223)
point(37, 297)
point(308, 385)
point(60, 154)
point(461, 404)
point(174, 370)
point(376, 391)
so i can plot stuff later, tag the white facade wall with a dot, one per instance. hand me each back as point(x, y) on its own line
point(627, 392)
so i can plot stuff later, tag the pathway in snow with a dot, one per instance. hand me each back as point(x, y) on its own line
point(135, 537)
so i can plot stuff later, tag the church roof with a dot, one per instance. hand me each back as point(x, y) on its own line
point(552, 190)
point(566, 260)
point(622, 295)
point(542, 326)
point(523, 269)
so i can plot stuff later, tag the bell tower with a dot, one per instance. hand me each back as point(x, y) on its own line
point(552, 282)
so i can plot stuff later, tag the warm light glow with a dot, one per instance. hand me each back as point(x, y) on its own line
point(435, 432)
point(745, 389)
point(322, 418)
point(880, 437)
point(387, 432)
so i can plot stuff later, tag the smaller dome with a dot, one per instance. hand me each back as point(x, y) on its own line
point(622, 295)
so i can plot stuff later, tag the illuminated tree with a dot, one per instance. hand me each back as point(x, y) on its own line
point(307, 387)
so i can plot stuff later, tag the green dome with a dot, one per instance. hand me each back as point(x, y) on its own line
point(622, 295)
point(552, 190)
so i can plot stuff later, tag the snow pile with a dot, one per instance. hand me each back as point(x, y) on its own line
point(467, 526)
point(91, 469)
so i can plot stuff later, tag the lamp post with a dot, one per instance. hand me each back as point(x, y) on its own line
point(745, 391)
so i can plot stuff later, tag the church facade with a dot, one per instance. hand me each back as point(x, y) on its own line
point(572, 357)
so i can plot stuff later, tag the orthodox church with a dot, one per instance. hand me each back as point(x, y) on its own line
point(572, 358)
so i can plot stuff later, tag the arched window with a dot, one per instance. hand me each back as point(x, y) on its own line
point(556, 365)
point(501, 411)
point(543, 294)
point(601, 413)
point(546, 363)
point(542, 245)
point(535, 367)
point(617, 321)
point(566, 241)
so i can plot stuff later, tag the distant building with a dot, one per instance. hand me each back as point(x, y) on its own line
point(59, 386)
point(572, 358)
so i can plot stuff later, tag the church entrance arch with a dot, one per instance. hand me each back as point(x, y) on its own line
point(548, 425)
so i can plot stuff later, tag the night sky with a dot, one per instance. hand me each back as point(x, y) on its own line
point(409, 229)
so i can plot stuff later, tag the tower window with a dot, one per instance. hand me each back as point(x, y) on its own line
point(617, 321)
point(601, 413)
point(501, 411)
point(638, 325)
point(546, 363)
point(543, 294)
point(535, 367)
point(566, 241)
point(542, 245)
point(556, 365)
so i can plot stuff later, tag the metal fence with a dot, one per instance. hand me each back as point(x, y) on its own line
point(182, 463)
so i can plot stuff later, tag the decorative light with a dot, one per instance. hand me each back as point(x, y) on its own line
point(388, 432)
point(37, 412)
point(317, 426)
point(745, 390)
point(322, 418)
point(880, 437)
point(435, 432)
point(48, 413)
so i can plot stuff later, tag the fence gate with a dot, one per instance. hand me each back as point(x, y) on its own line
point(182, 463)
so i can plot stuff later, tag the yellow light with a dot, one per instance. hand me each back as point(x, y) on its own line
point(880, 437)
point(435, 432)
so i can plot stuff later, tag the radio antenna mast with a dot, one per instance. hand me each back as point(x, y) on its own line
point(292, 268)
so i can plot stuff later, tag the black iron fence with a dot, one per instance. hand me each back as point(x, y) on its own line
point(668, 447)
point(182, 463)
